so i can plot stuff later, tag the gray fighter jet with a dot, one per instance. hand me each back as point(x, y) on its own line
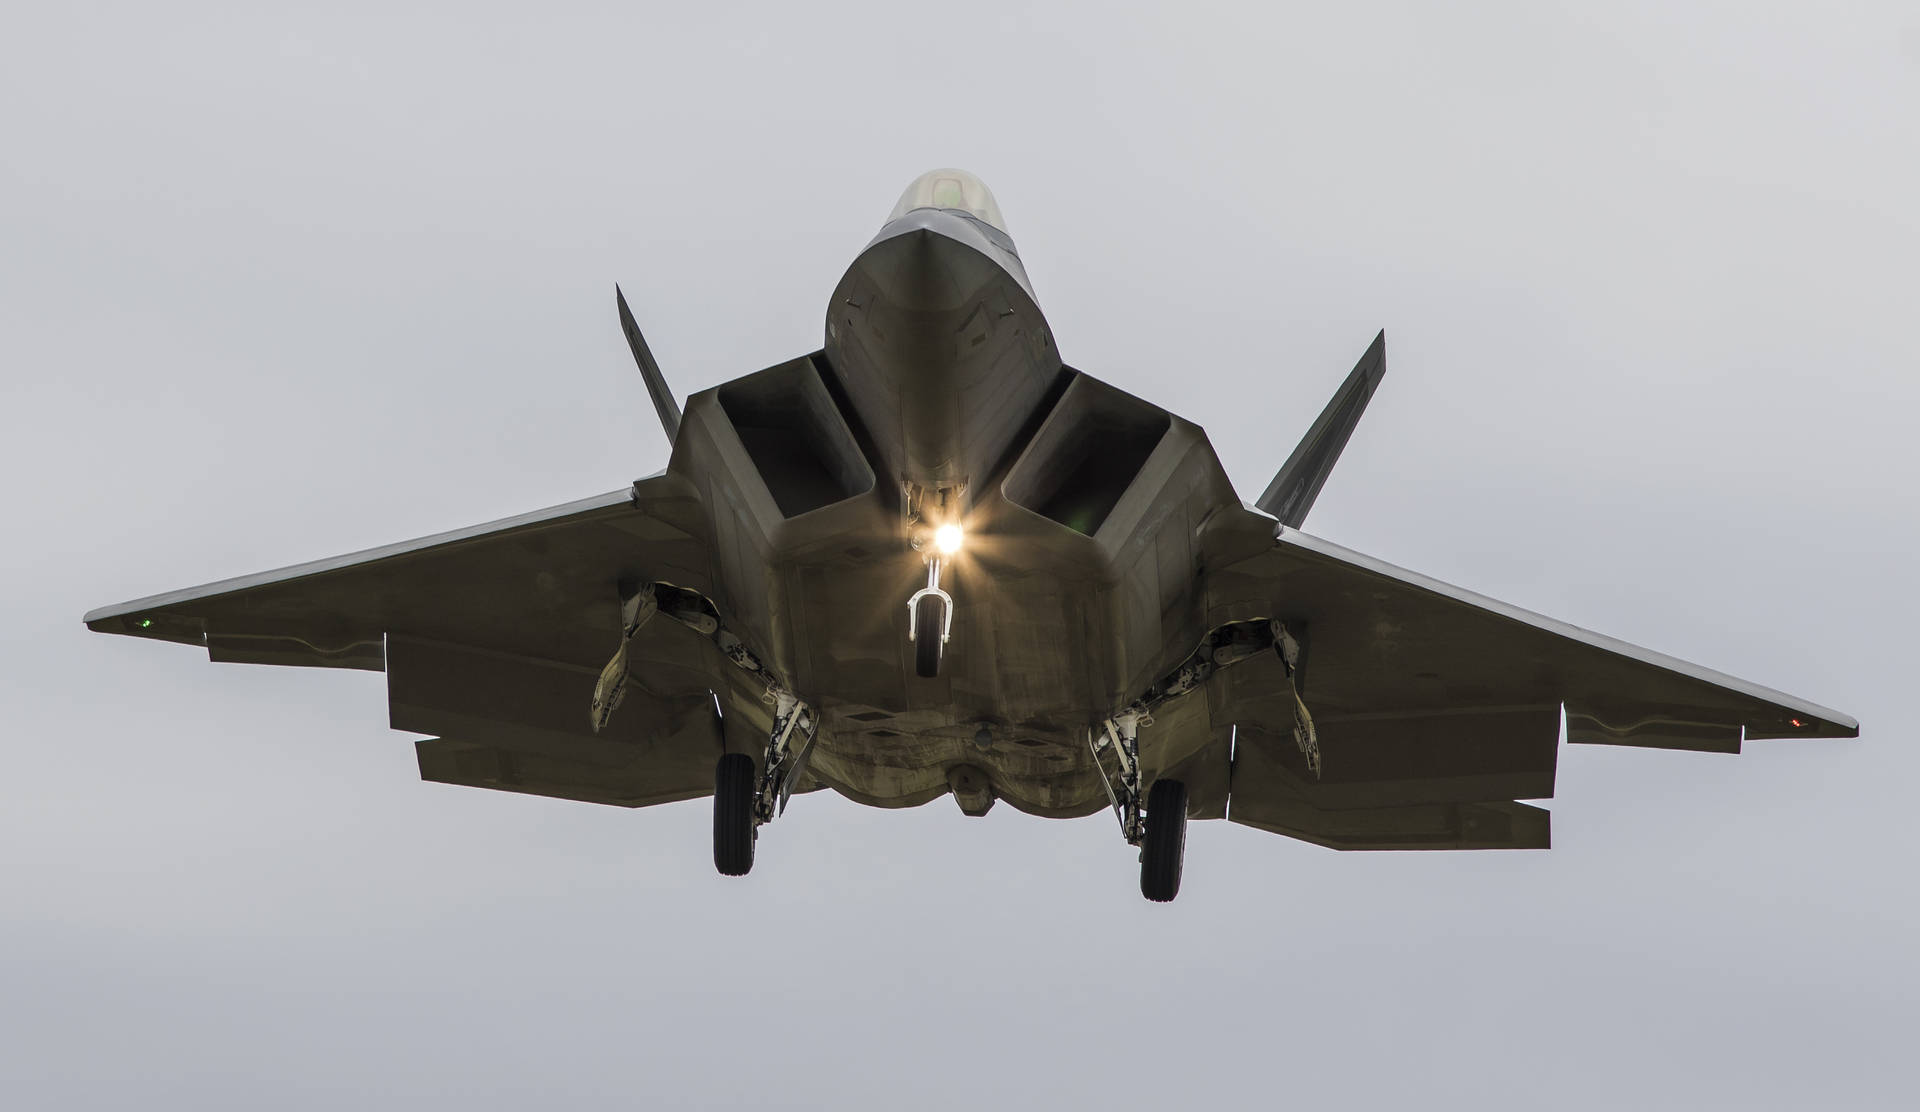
point(932, 559)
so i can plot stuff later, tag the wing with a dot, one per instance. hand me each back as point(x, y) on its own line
point(492, 637)
point(1436, 708)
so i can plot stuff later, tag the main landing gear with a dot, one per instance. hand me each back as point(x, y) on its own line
point(1157, 821)
point(734, 828)
point(1165, 844)
point(1160, 828)
point(743, 804)
point(742, 801)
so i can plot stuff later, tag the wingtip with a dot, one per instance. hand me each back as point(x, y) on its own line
point(1804, 722)
point(111, 619)
point(136, 619)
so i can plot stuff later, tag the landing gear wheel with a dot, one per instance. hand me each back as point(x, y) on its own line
point(929, 622)
point(733, 825)
point(1166, 841)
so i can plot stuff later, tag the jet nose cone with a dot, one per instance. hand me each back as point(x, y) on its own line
point(951, 189)
point(926, 269)
point(944, 239)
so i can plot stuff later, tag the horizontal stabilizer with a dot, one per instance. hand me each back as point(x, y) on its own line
point(1433, 826)
point(1293, 490)
point(663, 402)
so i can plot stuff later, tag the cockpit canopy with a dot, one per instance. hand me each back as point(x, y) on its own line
point(951, 189)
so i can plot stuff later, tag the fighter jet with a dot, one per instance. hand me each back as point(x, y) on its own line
point(931, 559)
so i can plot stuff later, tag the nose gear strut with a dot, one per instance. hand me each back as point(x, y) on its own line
point(929, 621)
point(930, 609)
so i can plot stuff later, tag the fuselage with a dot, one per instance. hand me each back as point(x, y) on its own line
point(945, 356)
point(940, 397)
point(1123, 631)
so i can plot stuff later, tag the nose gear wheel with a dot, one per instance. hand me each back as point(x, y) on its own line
point(926, 512)
point(929, 622)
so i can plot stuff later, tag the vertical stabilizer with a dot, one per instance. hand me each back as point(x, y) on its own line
point(1291, 493)
point(663, 402)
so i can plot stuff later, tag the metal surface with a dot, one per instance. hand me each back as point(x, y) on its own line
point(1367, 707)
point(1298, 483)
point(663, 403)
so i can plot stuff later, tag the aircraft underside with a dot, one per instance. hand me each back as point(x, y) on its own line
point(931, 559)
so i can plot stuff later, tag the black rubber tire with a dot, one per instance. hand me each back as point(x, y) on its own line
point(733, 827)
point(1166, 842)
point(928, 622)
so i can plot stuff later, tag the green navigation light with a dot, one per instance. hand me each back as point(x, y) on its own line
point(146, 623)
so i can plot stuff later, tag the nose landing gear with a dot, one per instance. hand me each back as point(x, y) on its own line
point(933, 529)
point(929, 622)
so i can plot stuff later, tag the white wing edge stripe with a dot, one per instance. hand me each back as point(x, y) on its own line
point(335, 563)
point(1314, 544)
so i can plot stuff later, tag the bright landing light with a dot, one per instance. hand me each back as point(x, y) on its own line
point(947, 539)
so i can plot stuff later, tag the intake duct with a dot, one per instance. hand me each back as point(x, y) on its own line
point(796, 437)
point(1090, 450)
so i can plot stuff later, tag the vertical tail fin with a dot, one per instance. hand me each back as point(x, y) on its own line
point(1291, 493)
point(663, 402)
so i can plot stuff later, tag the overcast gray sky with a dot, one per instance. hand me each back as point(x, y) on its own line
point(278, 286)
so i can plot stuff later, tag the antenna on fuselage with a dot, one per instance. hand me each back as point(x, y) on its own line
point(663, 402)
point(1293, 490)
